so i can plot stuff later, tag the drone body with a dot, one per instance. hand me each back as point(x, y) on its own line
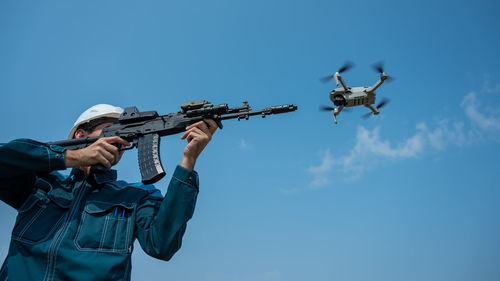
point(353, 97)
point(346, 96)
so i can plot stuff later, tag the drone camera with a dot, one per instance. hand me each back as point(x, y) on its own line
point(339, 100)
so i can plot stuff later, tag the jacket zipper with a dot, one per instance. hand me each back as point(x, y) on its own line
point(60, 234)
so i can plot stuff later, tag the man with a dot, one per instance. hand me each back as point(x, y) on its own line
point(83, 226)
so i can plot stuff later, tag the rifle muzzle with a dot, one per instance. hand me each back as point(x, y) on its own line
point(282, 108)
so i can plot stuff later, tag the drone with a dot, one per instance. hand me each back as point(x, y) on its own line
point(346, 97)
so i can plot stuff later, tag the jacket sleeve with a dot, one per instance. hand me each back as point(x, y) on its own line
point(161, 222)
point(20, 161)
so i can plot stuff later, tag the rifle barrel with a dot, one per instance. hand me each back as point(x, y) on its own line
point(266, 111)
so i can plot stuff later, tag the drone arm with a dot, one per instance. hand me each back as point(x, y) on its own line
point(372, 89)
point(339, 78)
point(375, 86)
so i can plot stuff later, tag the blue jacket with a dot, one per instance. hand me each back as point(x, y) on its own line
point(83, 227)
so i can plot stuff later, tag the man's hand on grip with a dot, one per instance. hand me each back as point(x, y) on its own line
point(103, 151)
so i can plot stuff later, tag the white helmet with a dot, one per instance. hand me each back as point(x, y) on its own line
point(97, 111)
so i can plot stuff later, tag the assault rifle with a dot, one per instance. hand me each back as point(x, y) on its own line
point(144, 129)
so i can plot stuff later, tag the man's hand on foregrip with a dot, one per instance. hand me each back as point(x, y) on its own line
point(100, 152)
point(197, 135)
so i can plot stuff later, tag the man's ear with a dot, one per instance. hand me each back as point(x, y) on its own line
point(81, 133)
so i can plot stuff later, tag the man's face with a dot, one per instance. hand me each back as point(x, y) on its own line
point(95, 133)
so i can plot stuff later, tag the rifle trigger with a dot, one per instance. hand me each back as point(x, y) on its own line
point(129, 147)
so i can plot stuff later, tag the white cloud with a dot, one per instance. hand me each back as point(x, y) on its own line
point(245, 145)
point(368, 149)
point(444, 134)
point(370, 143)
point(320, 172)
point(487, 88)
point(478, 118)
point(326, 164)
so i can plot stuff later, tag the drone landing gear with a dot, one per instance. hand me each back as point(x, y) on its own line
point(373, 109)
point(336, 112)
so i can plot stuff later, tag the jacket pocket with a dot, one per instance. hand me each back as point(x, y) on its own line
point(106, 227)
point(38, 218)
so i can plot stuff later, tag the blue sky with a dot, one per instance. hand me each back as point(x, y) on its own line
point(411, 194)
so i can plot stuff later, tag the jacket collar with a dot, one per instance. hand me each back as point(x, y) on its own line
point(105, 177)
point(108, 176)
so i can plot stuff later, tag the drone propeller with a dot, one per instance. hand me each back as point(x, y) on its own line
point(381, 104)
point(379, 67)
point(347, 65)
point(365, 116)
point(326, 108)
point(326, 78)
